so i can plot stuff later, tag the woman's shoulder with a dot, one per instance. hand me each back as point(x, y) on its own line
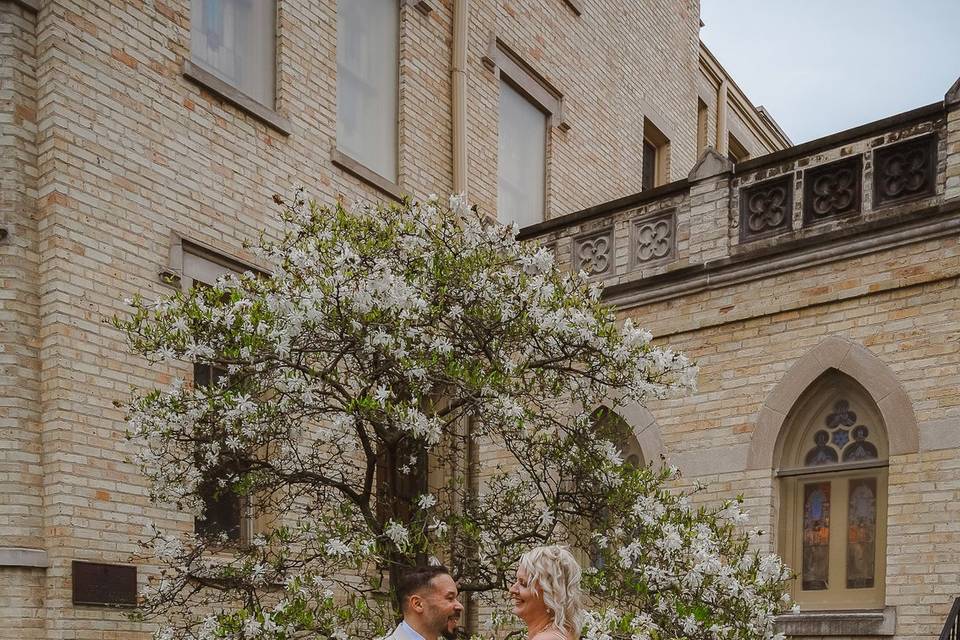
point(551, 634)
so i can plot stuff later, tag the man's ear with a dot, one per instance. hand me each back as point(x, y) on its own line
point(415, 603)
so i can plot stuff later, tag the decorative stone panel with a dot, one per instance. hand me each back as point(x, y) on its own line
point(905, 170)
point(653, 239)
point(593, 253)
point(832, 190)
point(766, 208)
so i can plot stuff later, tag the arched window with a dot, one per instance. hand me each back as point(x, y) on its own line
point(833, 488)
point(610, 422)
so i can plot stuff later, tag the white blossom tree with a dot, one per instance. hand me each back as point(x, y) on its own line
point(391, 340)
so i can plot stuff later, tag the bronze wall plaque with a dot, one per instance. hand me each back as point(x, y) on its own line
point(105, 585)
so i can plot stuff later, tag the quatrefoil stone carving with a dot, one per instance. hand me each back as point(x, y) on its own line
point(766, 208)
point(594, 254)
point(653, 239)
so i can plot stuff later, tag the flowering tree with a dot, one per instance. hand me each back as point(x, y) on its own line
point(388, 341)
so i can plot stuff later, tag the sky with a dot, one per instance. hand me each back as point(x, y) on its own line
point(822, 66)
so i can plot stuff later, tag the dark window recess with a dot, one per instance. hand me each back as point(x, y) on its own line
point(222, 507)
point(109, 585)
point(649, 176)
point(401, 477)
point(222, 513)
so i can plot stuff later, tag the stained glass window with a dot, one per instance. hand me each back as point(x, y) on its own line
point(861, 533)
point(860, 449)
point(834, 444)
point(816, 536)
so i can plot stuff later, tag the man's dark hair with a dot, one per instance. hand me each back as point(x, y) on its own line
point(416, 578)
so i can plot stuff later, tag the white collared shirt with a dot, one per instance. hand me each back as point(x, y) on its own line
point(410, 632)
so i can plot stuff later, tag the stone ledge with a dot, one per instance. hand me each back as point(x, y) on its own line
point(22, 557)
point(371, 177)
point(882, 622)
point(30, 5)
point(197, 74)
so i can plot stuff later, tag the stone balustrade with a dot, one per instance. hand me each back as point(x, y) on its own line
point(854, 191)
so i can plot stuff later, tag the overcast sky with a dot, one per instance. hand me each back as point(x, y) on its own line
point(822, 66)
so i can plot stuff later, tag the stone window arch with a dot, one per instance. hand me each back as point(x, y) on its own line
point(831, 467)
point(610, 421)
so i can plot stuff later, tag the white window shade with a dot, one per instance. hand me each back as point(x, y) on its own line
point(235, 40)
point(367, 65)
point(522, 160)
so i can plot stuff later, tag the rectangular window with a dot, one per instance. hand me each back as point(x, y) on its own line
point(521, 164)
point(816, 536)
point(235, 40)
point(736, 152)
point(861, 533)
point(702, 126)
point(368, 40)
point(656, 157)
point(649, 177)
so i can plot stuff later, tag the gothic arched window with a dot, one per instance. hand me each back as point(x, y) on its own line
point(833, 489)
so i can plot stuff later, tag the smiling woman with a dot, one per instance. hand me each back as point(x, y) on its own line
point(546, 594)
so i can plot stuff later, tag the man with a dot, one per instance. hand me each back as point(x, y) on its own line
point(428, 601)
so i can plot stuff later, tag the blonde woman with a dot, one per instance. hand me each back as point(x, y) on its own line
point(546, 594)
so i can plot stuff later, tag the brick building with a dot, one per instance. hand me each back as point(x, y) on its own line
point(141, 144)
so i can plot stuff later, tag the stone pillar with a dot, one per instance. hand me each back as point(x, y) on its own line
point(951, 102)
point(22, 552)
point(709, 207)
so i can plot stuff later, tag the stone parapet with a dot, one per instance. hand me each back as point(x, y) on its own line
point(881, 183)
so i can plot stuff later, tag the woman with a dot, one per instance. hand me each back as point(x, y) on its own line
point(546, 594)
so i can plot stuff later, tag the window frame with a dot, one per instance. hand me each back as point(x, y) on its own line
point(653, 136)
point(804, 420)
point(837, 597)
point(206, 77)
point(350, 163)
point(191, 263)
point(509, 67)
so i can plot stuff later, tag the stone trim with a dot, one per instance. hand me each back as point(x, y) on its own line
point(839, 623)
point(367, 175)
point(838, 139)
point(420, 5)
point(940, 434)
point(23, 557)
point(713, 460)
point(855, 240)
point(194, 72)
point(29, 5)
point(503, 60)
point(585, 215)
point(645, 430)
point(576, 6)
point(859, 363)
point(710, 165)
point(952, 97)
point(203, 262)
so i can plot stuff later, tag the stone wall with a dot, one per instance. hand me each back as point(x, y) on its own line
point(859, 276)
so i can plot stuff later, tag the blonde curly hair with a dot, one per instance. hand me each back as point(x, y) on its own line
point(554, 572)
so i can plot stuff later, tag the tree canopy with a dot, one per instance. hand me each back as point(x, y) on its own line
point(352, 392)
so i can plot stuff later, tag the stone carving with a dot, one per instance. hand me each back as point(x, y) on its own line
point(766, 208)
point(905, 170)
point(594, 253)
point(653, 239)
point(832, 190)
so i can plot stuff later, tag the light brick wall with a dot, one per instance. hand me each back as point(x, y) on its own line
point(20, 521)
point(108, 149)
